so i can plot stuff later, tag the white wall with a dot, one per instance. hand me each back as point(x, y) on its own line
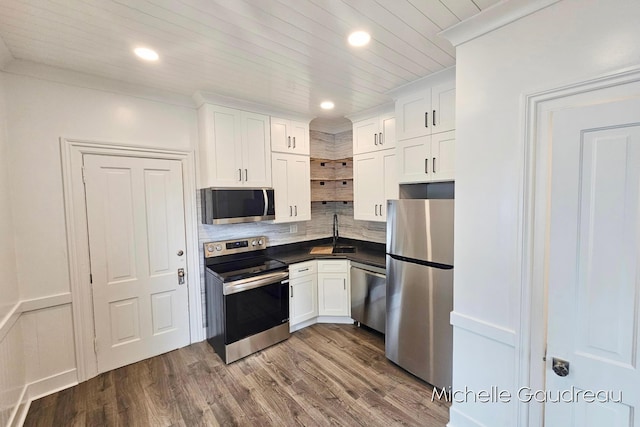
point(41, 112)
point(8, 278)
point(12, 367)
point(570, 41)
point(38, 350)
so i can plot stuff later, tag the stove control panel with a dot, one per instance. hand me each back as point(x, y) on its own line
point(228, 247)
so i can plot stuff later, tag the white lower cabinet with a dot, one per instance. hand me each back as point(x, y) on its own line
point(303, 292)
point(334, 289)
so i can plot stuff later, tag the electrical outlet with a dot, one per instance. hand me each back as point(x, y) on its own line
point(293, 228)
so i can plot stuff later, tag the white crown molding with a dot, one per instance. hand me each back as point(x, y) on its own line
point(388, 107)
point(89, 81)
point(492, 18)
point(201, 98)
point(439, 77)
point(331, 126)
point(5, 55)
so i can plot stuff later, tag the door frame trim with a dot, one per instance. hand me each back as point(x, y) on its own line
point(72, 151)
point(533, 225)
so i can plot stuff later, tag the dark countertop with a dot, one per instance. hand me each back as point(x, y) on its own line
point(366, 252)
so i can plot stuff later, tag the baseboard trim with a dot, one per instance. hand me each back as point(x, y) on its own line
point(41, 388)
point(480, 327)
point(335, 319)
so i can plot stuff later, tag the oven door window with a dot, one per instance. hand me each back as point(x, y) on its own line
point(256, 310)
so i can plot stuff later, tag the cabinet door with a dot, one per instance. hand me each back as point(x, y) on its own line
point(414, 160)
point(443, 155)
point(333, 295)
point(256, 146)
point(365, 136)
point(367, 186)
point(443, 106)
point(388, 130)
point(413, 115)
point(300, 137)
point(281, 179)
point(220, 147)
point(280, 131)
point(300, 187)
point(303, 293)
point(390, 184)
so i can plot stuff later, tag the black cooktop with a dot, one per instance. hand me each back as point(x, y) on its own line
point(237, 267)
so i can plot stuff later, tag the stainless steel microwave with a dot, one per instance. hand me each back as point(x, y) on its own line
point(231, 206)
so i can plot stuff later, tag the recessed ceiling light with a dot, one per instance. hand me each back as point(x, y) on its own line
point(146, 54)
point(327, 105)
point(359, 38)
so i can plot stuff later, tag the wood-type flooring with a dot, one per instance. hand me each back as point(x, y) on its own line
point(322, 375)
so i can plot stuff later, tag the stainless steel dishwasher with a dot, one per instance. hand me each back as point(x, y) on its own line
point(369, 295)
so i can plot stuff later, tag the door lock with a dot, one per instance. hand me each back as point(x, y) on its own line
point(560, 367)
point(181, 276)
point(180, 252)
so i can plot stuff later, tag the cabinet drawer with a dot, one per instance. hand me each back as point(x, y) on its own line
point(302, 269)
point(337, 266)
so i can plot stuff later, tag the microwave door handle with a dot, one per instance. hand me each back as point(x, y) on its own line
point(266, 202)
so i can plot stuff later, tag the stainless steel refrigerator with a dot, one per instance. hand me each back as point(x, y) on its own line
point(419, 337)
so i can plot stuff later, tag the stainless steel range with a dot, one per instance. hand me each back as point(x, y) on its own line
point(247, 297)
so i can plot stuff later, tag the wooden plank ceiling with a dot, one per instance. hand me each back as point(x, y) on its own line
point(291, 54)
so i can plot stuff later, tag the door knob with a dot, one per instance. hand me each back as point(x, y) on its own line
point(560, 367)
point(180, 252)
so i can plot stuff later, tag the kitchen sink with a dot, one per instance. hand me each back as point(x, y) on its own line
point(343, 250)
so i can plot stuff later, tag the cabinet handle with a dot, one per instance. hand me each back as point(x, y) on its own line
point(426, 119)
point(433, 164)
point(294, 142)
point(375, 139)
point(434, 117)
point(381, 210)
point(303, 269)
point(290, 210)
point(246, 175)
point(291, 287)
point(296, 210)
point(289, 142)
point(380, 138)
point(426, 165)
point(240, 175)
point(375, 210)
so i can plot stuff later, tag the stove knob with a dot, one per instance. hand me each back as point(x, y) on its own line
point(209, 248)
point(260, 242)
point(218, 247)
point(254, 242)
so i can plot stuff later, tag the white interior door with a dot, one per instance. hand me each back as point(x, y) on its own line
point(593, 281)
point(135, 214)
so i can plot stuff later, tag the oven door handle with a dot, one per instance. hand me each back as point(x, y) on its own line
point(252, 282)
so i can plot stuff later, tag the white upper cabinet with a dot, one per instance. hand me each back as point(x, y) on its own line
point(292, 187)
point(377, 133)
point(429, 158)
point(289, 136)
point(426, 112)
point(374, 182)
point(235, 148)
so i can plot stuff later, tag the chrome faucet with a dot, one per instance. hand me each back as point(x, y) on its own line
point(335, 230)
